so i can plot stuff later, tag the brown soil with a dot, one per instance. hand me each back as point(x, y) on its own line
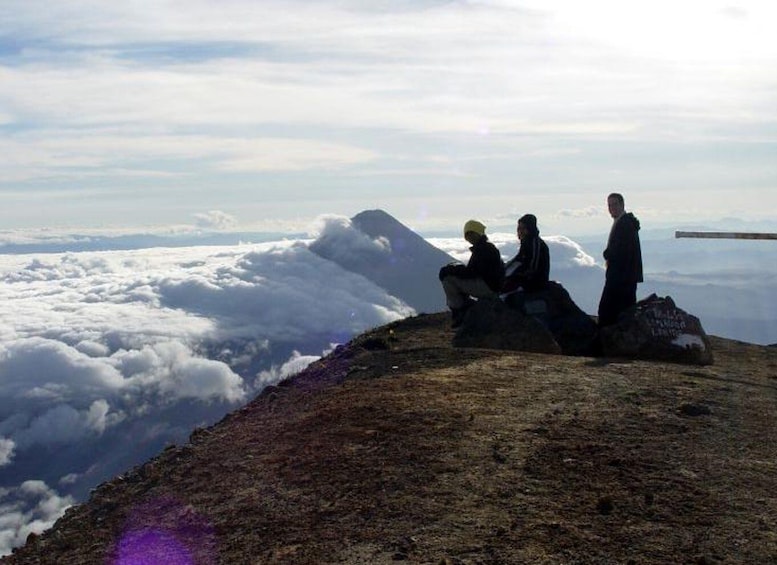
point(399, 448)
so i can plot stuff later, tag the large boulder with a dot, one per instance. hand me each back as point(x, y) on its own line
point(491, 324)
point(574, 330)
point(656, 329)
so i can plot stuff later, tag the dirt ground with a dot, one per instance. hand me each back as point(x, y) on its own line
point(398, 448)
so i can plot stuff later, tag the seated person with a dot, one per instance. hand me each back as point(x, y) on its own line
point(528, 271)
point(481, 277)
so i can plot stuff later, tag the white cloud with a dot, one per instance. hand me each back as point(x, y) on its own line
point(586, 212)
point(63, 424)
point(96, 347)
point(215, 219)
point(7, 447)
point(296, 363)
point(569, 253)
point(97, 418)
point(94, 343)
point(29, 508)
point(456, 247)
point(92, 348)
point(338, 238)
point(36, 362)
point(171, 367)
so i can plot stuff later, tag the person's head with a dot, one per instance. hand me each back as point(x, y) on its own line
point(616, 205)
point(473, 231)
point(527, 225)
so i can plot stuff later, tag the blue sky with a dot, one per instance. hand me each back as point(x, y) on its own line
point(153, 112)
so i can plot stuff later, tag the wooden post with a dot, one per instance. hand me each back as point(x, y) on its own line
point(725, 235)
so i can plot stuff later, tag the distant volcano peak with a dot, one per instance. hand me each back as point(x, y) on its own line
point(377, 223)
point(408, 271)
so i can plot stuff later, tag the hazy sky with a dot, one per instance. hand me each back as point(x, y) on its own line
point(153, 111)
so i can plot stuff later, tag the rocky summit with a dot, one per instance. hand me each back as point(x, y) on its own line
point(398, 447)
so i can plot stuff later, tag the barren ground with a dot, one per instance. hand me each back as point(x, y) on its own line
point(399, 448)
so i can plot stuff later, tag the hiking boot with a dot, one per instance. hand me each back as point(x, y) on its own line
point(457, 317)
point(457, 314)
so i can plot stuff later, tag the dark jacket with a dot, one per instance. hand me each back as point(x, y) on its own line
point(530, 269)
point(485, 263)
point(624, 253)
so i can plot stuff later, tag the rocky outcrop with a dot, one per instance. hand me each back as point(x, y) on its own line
point(550, 322)
point(547, 321)
point(574, 330)
point(656, 329)
point(492, 324)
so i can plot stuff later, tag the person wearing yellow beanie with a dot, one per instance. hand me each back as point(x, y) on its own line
point(474, 226)
point(481, 277)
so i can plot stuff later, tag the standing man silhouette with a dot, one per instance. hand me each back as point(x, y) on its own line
point(623, 258)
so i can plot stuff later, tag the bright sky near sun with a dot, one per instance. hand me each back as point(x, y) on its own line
point(270, 113)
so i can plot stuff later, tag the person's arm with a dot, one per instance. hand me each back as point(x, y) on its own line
point(530, 269)
point(477, 263)
point(510, 281)
point(618, 244)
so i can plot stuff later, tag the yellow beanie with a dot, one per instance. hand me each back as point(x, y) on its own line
point(474, 225)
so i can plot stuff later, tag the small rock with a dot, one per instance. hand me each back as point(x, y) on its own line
point(690, 409)
point(375, 344)
point(605, 506)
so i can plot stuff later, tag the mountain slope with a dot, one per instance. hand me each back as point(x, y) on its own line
point(407, 268)
point(398, 447)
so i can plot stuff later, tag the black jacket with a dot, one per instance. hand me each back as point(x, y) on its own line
point(530, 269)
point(485, 263)
point(624, 253)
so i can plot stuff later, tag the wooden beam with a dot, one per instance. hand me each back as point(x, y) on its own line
point(724, 235)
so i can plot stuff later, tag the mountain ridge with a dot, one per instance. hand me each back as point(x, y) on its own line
point(399, 447)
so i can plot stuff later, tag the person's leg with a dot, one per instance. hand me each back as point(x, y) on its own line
point(455, 296)
point(615, 299)
point(608, 306)
point(479, 289)
point(458, 292)
point(630, 296)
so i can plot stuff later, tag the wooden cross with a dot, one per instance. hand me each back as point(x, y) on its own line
point(725, 235)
